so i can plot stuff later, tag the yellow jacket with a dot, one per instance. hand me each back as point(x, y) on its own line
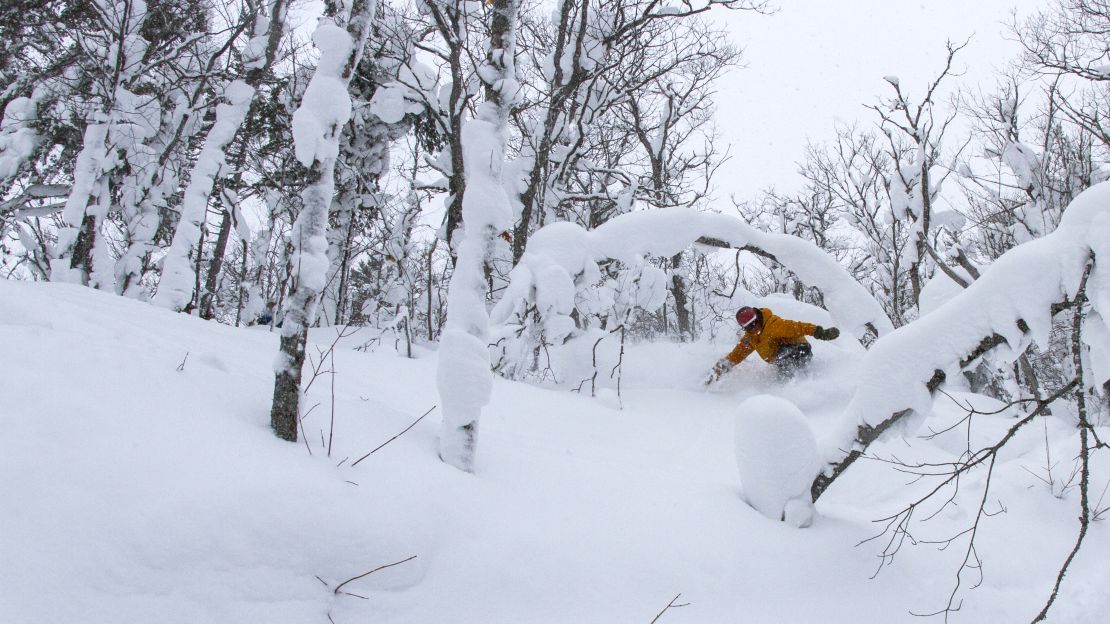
point(776, 332)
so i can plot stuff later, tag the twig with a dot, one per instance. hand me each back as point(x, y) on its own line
point(323, 353)
point(355, 463)
point(1097, 510)
point(300, 427)
point(355, 595)
point(1084, 441)
point(670, 605)
point(355, 578)
point(181, 366)
point(331, 427)
point(898, 526)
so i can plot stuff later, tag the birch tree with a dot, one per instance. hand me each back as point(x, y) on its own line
point(115, 54)
point(463, 377)
point(179, 282)
point(325, 108)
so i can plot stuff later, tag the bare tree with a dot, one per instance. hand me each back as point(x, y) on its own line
point(915, 134)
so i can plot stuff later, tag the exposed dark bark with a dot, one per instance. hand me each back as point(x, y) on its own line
point(208, 295)
point(82, 248)
point(344, 273)
point(285, 413)
point(448, 20)
point(681, 303)
point(242, 289)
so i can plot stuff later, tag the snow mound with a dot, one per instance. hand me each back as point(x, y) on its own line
point(776, 454)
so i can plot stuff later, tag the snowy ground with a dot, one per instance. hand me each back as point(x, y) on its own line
point(137, 492)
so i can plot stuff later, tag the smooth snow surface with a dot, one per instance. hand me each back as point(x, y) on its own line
point(136, 492)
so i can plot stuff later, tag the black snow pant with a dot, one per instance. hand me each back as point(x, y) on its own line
point(791, 358)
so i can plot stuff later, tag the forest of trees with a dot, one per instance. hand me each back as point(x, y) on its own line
point(531, 185)
point(389, 166)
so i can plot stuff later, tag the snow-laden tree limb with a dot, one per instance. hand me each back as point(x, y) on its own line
point(1012, 304)
point(574, 251)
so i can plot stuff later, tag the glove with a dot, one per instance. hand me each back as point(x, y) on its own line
point(822, 333)
point(720, 368)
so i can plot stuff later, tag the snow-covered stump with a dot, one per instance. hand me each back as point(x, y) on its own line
point(776, 454)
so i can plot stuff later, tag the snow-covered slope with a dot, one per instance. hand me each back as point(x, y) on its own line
point(139, 482)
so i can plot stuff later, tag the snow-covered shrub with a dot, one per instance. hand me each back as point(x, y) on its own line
point(776, 454)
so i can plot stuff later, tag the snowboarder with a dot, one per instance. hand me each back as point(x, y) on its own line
point(269, 315)
point(777, 340)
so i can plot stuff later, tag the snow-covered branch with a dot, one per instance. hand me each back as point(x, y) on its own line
point(1011, 305)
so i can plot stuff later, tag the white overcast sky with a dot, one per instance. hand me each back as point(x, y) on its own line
point(816, 61)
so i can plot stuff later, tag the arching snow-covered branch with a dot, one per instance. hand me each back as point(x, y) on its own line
point(1010, 306)
point(570, 250)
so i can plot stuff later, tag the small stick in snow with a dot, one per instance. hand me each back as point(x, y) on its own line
point(394, 437)
point(355, 578)
point(181, 366)
point(670, 605)
point(331, 428)
point(305, 415)
point(354, 595)
point(300, 427)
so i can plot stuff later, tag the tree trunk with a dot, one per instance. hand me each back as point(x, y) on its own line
point(344, 271)
point(681, 309)
point(310, 266)
point(242, 286)
point(81, 260)
point(208, 295)
point(464, 351)
point(287, 387)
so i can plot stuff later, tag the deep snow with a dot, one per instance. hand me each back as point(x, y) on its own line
point(135, 492)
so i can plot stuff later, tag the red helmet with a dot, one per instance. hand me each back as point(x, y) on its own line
point(747, 317)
